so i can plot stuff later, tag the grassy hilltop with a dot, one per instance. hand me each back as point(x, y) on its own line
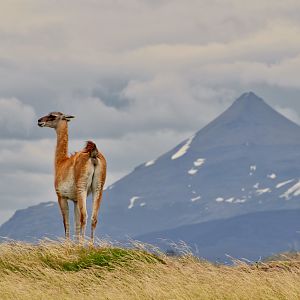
point(66, 271)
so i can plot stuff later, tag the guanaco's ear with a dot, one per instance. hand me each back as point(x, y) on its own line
point(68, 117)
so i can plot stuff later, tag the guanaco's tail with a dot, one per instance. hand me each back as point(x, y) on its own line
point(91, 148)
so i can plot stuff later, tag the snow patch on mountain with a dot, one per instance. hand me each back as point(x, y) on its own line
point(243, 200)
point(260, 192)
point(272, 176)
point(132, 201)
point(182, 151)
point(230, 200)
point(252, 169)
point(282, 184)
point(256, 185)
point(193, 171)
point(199, 162)
point(150, 163)
point(195, 198)
point(293, 191)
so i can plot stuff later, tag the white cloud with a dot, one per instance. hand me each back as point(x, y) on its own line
point(26, 172)
point(289, 113)
point(27, 155)
point(21, 189)
point(166, 102)
point(16, 118)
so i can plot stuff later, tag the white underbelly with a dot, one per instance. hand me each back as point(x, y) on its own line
point(67, 188)
point(90, 181)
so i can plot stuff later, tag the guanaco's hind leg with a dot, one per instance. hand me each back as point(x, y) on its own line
point(97, 196)
point(64, 208)
point(81, 200)
point(77, 221)
point(97, 190)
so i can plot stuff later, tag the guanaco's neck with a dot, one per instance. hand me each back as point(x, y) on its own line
point(61, 152)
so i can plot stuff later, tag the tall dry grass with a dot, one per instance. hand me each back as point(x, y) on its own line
point(65, 271)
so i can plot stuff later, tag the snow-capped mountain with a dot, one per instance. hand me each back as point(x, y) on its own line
point(246, 160)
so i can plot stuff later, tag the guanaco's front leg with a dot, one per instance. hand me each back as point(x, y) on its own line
point(64, 208)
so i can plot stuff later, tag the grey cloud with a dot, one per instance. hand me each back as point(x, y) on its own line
point(26, 172)
point(21, 189)
point(109, 91)
point(27, 156)
point(16, 118)
point(289, 113)
point(160, 104)
point(5, 214)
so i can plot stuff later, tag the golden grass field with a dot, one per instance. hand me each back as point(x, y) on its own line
point(52, 270)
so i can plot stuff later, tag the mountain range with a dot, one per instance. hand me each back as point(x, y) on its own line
point(242, 168)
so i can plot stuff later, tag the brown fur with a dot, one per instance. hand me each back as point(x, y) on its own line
point(91, 148)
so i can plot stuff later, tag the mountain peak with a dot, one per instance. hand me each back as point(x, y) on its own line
point(251, 107)
point(249, 96)
point(249, 120)
point(249, 100)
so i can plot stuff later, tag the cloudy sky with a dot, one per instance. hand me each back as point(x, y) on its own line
point(139, 75)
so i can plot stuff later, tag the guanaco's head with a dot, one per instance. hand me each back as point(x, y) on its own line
point(52, 119)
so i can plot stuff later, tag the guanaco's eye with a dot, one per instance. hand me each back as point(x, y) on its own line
point(51, 117)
